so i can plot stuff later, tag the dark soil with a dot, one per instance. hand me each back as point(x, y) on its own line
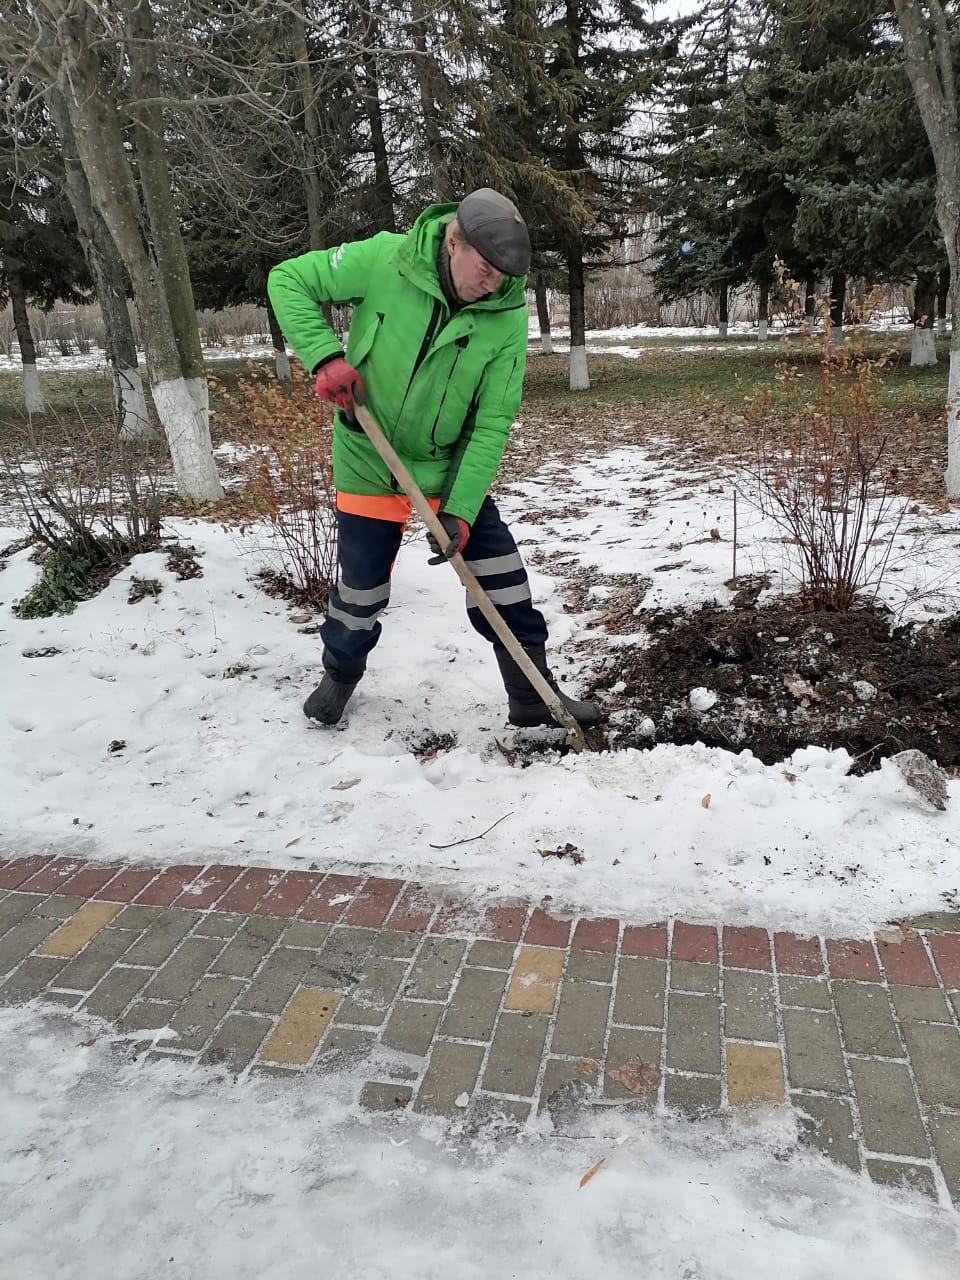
point(785, 679)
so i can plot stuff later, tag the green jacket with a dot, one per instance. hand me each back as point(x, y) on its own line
point(445, 389)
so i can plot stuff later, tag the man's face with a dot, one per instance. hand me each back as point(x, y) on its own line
point(473, 276)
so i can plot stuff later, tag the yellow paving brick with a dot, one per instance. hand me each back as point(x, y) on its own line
point(79, 929)
point(298, 1032)
point(535, 978)
point(754, 1074)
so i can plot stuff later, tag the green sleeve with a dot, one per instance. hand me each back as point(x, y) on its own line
point(299, 286)
point(480, 448)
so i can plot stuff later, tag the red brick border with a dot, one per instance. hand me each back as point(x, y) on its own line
point(380, 902)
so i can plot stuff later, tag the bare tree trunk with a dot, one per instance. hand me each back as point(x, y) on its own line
point(838, 293)
point(579, 374)
point(923, 349)
point(100, 145)
point(427, 75)
point(763, 313)
point(130, 407)
point(543, 313)
point(810, 301)
point(383, 185)
point(155, 184)
point(281, 360)
point(928, 52)
point(311, 129)
point(32, 395)
point(724, 306)
point(943, 292)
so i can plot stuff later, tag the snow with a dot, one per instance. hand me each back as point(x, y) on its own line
point(625, 340)
point(161, 1168)
point(165, 1167)
point(202, 688)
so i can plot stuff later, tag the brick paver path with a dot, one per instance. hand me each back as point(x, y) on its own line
point(448, 1009)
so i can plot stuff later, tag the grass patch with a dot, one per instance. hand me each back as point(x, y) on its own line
point(668, 375)
point(71, 572)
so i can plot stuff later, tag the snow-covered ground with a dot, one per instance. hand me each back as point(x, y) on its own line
point(202, 686)
point(171, 730)
point(625, 340)
point(159, 1169)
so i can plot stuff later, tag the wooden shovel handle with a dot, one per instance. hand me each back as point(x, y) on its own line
point(480, 598)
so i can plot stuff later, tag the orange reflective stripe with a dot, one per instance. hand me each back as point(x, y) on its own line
point(379, 506)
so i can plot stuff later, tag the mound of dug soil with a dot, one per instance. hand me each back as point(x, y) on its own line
point(772, 679)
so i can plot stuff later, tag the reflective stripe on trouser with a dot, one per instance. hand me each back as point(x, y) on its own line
point(367, 550)
point(493, 557)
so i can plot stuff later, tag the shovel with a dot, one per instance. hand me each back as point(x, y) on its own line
point(480, 598)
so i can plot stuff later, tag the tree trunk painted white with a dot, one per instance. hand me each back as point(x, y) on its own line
point(923, 348)
point(722, 329)
point(131, 404)
point(200, 395)
point(102, 150)
point(762, 329)
point(546, 343)
point(32, 395)
point(836, 336)
point(952, 474)
point(187, 428)
point(942, 326)
point(579, 375)
point(282, 365)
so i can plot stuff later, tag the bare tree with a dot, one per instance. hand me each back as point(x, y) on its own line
point(84, 52)
point(110, 283)
point(928, 42)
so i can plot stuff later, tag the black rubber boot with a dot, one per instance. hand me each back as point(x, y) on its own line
point(527, 708)
point(327, 702)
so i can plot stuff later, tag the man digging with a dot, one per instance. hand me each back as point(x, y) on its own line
point(437, 351)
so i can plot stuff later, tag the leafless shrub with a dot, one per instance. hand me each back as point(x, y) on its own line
point(286, 435)
point(822, 474)
point(90, 505)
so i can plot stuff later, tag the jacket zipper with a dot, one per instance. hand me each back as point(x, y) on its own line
point(422, 353)
point(421, 356)
point(461, 346)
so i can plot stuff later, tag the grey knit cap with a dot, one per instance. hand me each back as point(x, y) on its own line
point(494, 227)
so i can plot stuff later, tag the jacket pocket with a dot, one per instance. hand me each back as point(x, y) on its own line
point(509, 382)
point(361, 339)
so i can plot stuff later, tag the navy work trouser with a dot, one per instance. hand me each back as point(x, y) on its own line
point(367, 550)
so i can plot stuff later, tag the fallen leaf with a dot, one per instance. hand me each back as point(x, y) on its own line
point(291, 843)
point(790, 777)
point(800, 688)
point(345, 784)
point(86, 1044)
point(638, 1076)
point(568, 851)
point(587, 1066)
point(261, 813)
point(705, 801)
point(592, 1171)
point(715, 535)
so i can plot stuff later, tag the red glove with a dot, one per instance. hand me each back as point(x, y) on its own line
point(339, 383)
point(457, 530)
